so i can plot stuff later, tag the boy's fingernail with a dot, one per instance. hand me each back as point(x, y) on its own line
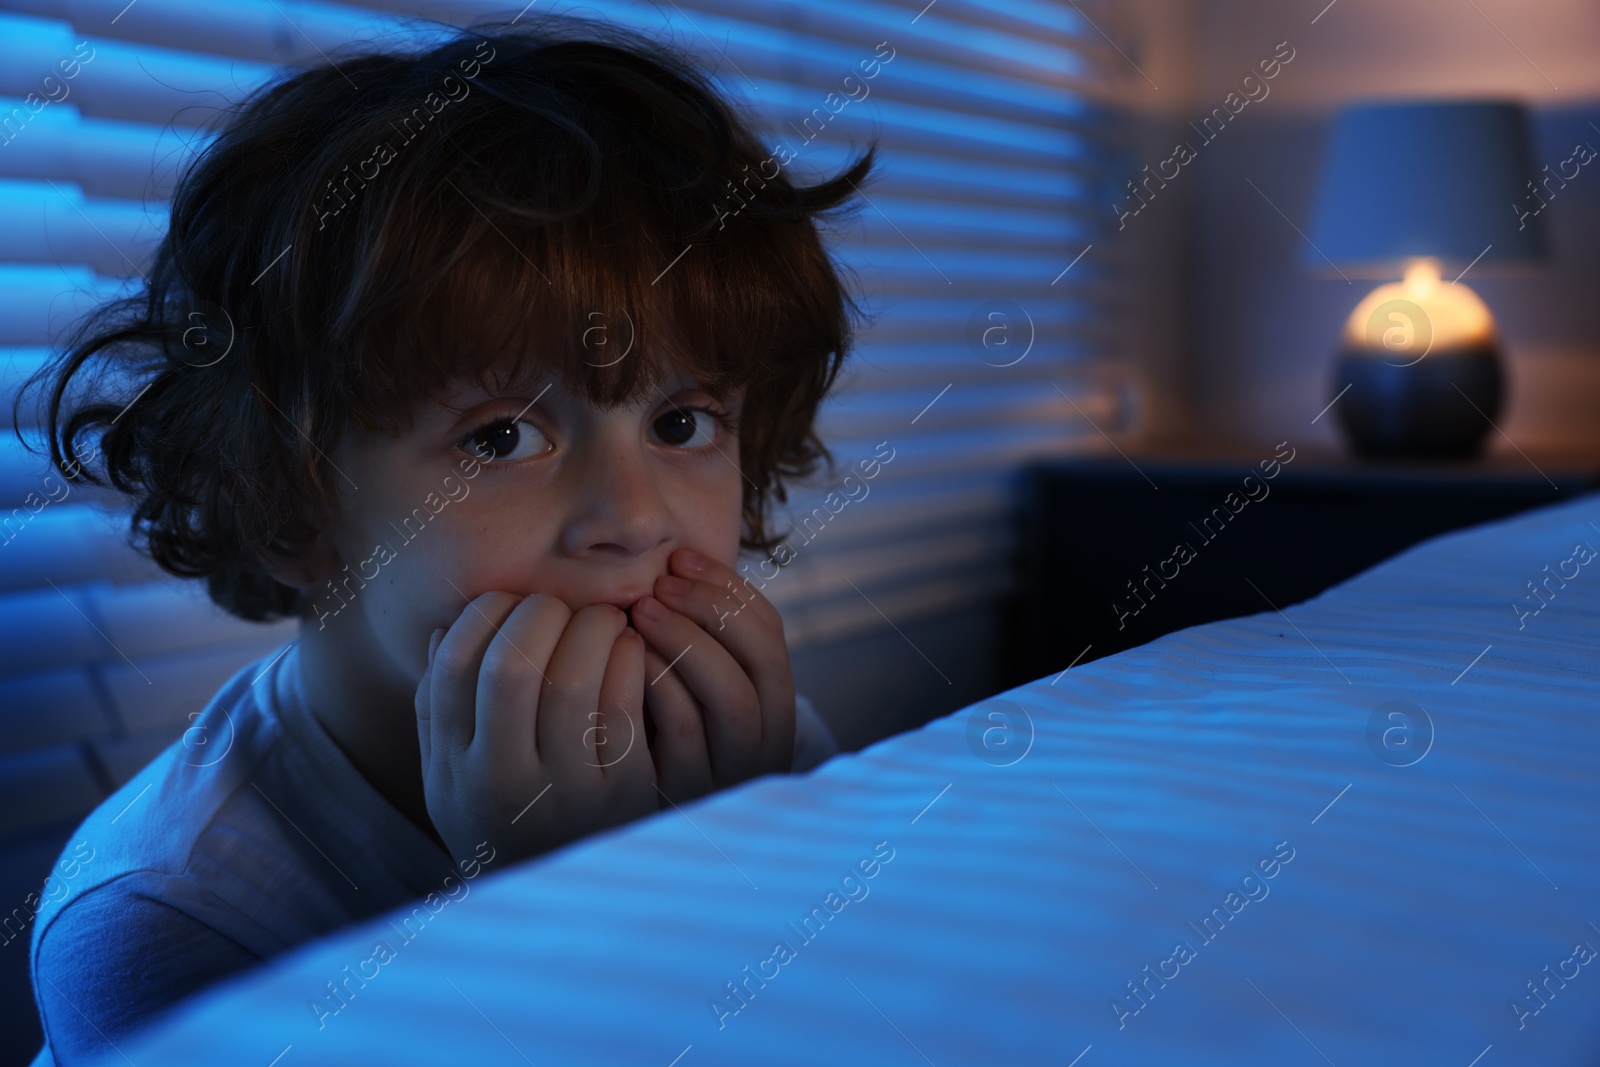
point(651, 608)
point(693, 562)
point(433, 643)
point(672, 585)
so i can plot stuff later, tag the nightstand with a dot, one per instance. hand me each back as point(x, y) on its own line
point(1116, 551)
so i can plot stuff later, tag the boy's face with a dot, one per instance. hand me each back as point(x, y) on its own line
point(535, 492)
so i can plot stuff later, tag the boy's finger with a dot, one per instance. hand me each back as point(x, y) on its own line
point(719, 611)
point(424, 718)
point(453, 688)
point(620, 749)
point(738, 594)
point(566, 740)
point(682, 762)
point(728, 699)
point(514, 678)
point(755, 643)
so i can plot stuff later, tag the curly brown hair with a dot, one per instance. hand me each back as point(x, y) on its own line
point(342, 251)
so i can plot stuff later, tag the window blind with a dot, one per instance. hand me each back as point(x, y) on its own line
point(990, 342)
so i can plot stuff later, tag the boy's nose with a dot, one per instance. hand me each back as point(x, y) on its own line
point(618, 510)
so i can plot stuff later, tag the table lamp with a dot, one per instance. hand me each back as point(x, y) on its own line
point(1426, 191)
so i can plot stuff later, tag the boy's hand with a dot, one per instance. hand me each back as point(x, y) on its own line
point(724, 712)
point(525, 716)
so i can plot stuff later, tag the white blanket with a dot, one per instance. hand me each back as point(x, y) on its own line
point(1378, 890)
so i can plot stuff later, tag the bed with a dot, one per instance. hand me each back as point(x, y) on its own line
point(1358, 831)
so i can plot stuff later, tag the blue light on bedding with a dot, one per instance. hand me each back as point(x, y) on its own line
point(1361, 831)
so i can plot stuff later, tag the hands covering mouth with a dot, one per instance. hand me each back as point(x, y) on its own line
point(523, 695)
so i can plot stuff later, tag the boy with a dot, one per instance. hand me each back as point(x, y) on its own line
point(462, 358)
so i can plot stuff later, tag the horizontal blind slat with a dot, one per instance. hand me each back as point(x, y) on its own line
point(37, 303)
point(116, 79)
point(43, 787)
point(51, 222)
point(67, 542)
point(103, 157)
point(288, 33)
point(75, 711)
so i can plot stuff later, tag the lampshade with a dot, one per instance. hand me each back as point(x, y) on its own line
point(1444, 179)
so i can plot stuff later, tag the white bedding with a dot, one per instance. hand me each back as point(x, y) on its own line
point(1021, 898)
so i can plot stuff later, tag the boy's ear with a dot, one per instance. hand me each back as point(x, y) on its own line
point(312, 565)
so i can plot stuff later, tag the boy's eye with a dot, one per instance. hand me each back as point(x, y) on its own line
point(504, 439)
point(686, 427)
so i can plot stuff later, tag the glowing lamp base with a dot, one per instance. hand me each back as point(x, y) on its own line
point(1437, 408)
point(1418, 375)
